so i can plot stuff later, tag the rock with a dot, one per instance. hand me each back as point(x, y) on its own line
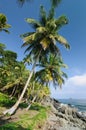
point(64, 117)
point(81, 116)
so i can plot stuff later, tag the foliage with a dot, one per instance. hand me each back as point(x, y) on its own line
point(37, 90)
point(51, 71)
point(42, 48)
point(55, 3)
point(13, 73)
point(33, 119)
point(3, 23)
point(45, 36)
point(5, 101)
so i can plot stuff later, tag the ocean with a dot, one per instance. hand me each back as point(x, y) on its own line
point(80, 104)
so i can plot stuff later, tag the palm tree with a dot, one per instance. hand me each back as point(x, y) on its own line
point(41, 42)
point(13, 78)
point(13, 74)
point(51, 71)
point(36, 92)
point(3, 23)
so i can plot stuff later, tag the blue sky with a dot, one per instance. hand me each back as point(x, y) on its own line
point(74, 32)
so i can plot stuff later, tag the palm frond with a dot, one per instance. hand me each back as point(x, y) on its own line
point(51, 14)
point(26, 34)
point(62, 20)
point(43, 16)
point(35, 24)
point(54, 49)
point(55, 2)
point(60, 81)
point(62, 40)
point(52, 39)
point(5, 30)
point(7, 26)
point(41, 30)
point(3, 23)
point(64, 75)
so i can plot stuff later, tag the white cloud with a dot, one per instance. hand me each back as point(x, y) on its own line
point(78, 80)
point(75, 87)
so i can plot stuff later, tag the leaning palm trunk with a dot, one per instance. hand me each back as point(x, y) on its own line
point(13, 109)
point(31, 102)
point(15, 106)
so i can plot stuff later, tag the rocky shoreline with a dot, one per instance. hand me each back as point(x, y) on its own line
point(64, 117)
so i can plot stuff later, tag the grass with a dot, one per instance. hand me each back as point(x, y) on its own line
point(27, 120)
point(34, 121)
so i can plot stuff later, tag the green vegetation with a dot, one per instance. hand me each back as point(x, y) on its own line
point(5, 101)
point(28, 120)
point(41, 44)
point(27, 88)
point(3, 23)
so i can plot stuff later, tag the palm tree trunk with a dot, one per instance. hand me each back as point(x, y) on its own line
point(31, 102)
point(13, 92)
point(15, 106)
point(33, 99)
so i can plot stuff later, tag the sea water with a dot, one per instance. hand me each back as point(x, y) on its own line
point(80, 104)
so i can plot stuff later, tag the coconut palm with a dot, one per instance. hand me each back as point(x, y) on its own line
point(3, 23)
point(36, 92)
point(13, 78)
point(13, 74)
point(41, 42)
point(52, 71)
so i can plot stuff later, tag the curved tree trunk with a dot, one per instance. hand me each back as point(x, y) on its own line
point(29, 105)
point(35, 97)
point(15, 106)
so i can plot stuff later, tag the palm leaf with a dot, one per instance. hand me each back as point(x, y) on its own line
point(43, 16)
point(5, 30)
point(3, 25)
point(6, 26)
point(62, 40)
point(33, 22)
point(51, 14)
point(30, 38)
point(52, 39)
point(55, 2)
point(41, 30)
point(62, 20)
point(26, 34)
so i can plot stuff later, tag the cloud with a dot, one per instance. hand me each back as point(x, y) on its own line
point(78, 80)
point(75, 87)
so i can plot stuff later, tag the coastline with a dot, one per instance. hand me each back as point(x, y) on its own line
point(64, 117)
point(77, 103)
